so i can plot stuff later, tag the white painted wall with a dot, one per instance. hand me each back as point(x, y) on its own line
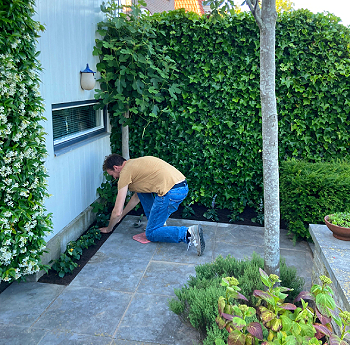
point(66, 47)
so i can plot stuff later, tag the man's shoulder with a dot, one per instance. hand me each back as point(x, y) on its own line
point(145, 159)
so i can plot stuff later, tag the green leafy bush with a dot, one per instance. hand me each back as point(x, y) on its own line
point(209, 124)
point(66, 263)
point(280, 322)
point(107, 192)
point(23, 222)
point(196, 302)
point(310, 191)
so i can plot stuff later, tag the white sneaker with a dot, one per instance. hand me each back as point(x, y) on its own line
point(196, 238)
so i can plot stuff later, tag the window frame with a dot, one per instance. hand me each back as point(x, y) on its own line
point(84, 136)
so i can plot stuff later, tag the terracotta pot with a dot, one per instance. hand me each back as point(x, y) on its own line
point(338, 231)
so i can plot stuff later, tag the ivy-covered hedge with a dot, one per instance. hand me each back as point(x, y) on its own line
point(23, 222)
point(310, 191)
point(213, 130)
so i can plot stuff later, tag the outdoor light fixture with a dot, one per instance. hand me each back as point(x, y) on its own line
point(87, 80)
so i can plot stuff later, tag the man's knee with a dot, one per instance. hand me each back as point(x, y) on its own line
point(150, 235)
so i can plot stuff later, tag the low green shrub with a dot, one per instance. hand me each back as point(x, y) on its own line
point(340, 219)
point(310, 191)
point(196, 302)
point(66, 263)
point(107, 194)
point(278, 322)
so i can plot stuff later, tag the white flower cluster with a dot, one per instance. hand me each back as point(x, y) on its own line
point(19, 225)
point(15, 44)
point(10, 247)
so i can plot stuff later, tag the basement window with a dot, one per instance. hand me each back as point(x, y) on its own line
point(76, 121)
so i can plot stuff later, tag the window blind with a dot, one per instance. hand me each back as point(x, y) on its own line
point(70, 122)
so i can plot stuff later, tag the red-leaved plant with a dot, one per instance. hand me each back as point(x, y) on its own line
point(284, 323)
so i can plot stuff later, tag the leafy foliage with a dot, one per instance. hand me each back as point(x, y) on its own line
point(187, 212)
point(340, 219)
point(286, 322)
point(207, 118)
point(66, 263)
point(197, 300)
point(137, 74)
point(107, 195)
point(23, 223)
point(310, 191)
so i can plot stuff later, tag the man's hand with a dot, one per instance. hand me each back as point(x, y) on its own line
point(118, 212)
point(104, 230)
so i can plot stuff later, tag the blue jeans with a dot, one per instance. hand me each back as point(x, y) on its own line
point(158, 209)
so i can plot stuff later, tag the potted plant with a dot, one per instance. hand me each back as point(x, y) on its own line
point(339, 224)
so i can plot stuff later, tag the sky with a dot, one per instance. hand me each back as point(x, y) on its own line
point(341, 8)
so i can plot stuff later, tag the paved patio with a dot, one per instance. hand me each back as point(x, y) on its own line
point(121, 296)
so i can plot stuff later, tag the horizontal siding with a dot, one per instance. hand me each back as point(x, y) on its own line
point(66, 47)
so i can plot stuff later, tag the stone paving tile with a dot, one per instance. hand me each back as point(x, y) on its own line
point(302, 261)
point(181, 222)
point(21, 304)
point(163, 277)
point(148, 319)
point(64, 338)
point(241, 234)
point(86, 311)
point(18, 335)
point(128, 342)
point(326, 239)
point(236, 250)
point(339, 262)
point(111, 273)
point(254, 235)
point(286, 242)
point(123, 246)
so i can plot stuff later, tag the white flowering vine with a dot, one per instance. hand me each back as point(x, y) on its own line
point(23, 222)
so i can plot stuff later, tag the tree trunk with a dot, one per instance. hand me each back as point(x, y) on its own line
point(270, 137)
point(125, 139)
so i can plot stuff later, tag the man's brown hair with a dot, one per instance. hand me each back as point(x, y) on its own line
point(112, 160)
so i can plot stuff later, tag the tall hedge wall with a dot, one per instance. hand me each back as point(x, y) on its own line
point(213, 130)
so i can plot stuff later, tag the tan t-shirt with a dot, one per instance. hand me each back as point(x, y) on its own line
point(149, 175)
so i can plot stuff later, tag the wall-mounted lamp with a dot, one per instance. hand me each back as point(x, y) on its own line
point(87, 80)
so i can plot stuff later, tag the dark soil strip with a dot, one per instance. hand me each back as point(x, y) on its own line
point(52, 276)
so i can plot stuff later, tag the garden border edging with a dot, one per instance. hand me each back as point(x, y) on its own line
point(57, 244)
point(332, 258)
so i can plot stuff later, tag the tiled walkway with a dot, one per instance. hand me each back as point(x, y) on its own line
point(121, 296)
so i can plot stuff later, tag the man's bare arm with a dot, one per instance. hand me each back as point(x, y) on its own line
point(134, 200)
point(117, 213)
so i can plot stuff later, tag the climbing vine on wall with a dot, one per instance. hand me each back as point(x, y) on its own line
point(23, 222)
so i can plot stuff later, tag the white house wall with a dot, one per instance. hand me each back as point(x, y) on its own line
point(66, 47)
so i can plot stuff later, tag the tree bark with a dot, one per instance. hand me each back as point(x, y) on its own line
point(266, 19)
point(125, 139)
point(270, 137)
